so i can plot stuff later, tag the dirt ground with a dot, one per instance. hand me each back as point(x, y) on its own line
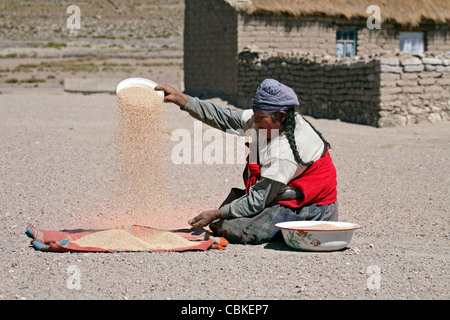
point(56, 171)
point(56, 160)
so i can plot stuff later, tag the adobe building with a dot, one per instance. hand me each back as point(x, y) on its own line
point(381, 67)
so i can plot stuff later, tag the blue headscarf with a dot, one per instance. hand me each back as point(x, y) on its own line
point(272, 96)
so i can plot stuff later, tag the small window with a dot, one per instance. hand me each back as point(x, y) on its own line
point(345, 43)
point(411, 42)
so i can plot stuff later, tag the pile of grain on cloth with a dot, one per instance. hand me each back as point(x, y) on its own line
point(132, 238)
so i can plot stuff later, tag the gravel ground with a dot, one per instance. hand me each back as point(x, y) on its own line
point(56, 163)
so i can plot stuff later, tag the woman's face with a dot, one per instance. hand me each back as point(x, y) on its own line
point(269, 122)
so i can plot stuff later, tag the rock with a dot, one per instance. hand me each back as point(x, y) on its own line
point(401, 120)
point(384, 122)
point(410, 61)
point(433, 61)
point(389, 68)
point(388, 61)
point(413, 68)
point(415, 110)
point(434, 117)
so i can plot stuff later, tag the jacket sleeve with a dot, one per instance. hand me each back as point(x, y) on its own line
point(260, 195)
point(214, 115)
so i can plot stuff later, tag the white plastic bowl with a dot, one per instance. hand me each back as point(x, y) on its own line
point(137, 82)
point(300, 235)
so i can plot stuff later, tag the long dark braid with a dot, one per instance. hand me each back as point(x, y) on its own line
point(288, 127)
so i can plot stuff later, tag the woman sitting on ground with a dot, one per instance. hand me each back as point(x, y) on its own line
point(289, 174)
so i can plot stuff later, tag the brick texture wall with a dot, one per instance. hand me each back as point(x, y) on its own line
point(382, 91)
point(286, 34)
point(210, 48)
point(414, 89)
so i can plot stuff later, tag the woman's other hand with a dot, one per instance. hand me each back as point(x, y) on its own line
point(205, 218)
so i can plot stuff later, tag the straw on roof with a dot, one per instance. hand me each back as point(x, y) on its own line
point(404, 12)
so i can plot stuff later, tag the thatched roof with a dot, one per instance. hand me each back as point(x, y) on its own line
point(404, 12)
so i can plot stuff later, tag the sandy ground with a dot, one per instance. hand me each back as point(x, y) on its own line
point(56, 163)
point(57, 172)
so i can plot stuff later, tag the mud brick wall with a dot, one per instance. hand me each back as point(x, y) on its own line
point(348, 91)
point(438, 39)
point(317, 35)
point(414, 89)
point(380, 91)
point(210, 47)
point(286, 34)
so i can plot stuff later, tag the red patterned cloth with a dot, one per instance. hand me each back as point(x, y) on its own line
point(63, 241)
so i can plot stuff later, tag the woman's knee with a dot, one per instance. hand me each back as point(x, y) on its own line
point(332, 213)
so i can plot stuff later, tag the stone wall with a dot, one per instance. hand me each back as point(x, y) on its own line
point(414, 89)
point(381, 91)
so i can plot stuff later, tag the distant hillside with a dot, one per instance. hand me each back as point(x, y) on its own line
point(102, 19)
